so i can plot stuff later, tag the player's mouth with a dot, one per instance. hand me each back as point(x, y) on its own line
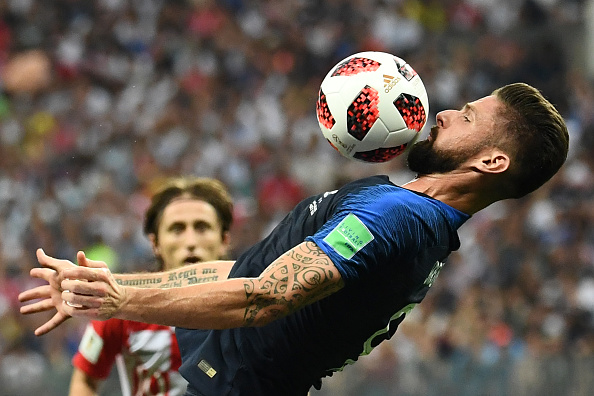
point(192, 260)
point(433, 133)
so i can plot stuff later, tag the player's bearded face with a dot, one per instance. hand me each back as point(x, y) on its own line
point(424, 158)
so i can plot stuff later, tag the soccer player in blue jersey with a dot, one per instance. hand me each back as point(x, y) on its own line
point(341, 271)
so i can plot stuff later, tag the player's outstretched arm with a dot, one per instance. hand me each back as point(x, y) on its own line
point(49, 296)
point(299, 277)
point(205, 272)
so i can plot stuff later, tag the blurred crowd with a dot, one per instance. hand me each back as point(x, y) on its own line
point(100, 100)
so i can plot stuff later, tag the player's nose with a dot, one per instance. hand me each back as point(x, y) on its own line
point(443, 118)
point(191, 240)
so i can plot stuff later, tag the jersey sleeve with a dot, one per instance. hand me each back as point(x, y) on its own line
point(372, 228)
point(100, 344)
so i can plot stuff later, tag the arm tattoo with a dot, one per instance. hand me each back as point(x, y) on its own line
point(177, 278)
point(300, 277)
point(141, 282)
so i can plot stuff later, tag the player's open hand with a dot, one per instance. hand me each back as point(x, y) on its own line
point(52, 295)
point(90, 290)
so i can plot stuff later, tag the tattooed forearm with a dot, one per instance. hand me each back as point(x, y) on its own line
point(189, 281)
point(144, 282)
point(176, 278)
point(300, 277)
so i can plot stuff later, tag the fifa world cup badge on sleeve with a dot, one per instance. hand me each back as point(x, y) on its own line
point(349, 236)
point(91, 345)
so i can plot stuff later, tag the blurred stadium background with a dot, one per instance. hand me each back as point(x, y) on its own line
point(100, 99)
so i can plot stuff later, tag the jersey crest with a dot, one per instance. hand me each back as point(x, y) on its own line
point(434, 272)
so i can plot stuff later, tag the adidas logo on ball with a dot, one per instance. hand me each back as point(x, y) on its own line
point(390, 82)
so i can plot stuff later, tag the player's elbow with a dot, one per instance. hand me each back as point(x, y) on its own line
point(265, 310)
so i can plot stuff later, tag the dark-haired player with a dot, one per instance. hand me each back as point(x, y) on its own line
point(342, 270)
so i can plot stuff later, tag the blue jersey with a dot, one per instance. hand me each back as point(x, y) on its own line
point(387, 242)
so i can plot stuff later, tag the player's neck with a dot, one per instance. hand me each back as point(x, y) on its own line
point(452, 189)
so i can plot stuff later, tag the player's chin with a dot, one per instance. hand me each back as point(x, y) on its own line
point(420, 156)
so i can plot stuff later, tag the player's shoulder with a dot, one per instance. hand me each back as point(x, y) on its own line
point(375, 189)
point(369, 181)
point(380, 183)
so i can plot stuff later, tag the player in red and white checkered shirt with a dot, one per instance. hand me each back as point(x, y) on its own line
point(187, 222)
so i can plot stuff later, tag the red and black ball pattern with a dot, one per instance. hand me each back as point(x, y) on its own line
point(354, 66)
point(382, 154)
point(412, 111)
point(363, 112)
point(323, 111)
point(405, 70)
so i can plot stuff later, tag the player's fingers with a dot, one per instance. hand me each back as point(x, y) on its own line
point(42, 273)
point(35, 293)
point(77, 301)
point(50, 262)
point(86, 274)
point(98, 289)
point(39, 306)
point(85, 312)
point(51, 324)
point(84, 261)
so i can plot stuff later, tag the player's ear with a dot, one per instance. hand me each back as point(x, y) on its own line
point(492, 161)
point(226, 244)
point(154, 244)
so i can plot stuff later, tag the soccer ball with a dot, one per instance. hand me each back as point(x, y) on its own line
point(371, 106)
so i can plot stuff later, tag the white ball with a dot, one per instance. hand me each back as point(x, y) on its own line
point(371, 106)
